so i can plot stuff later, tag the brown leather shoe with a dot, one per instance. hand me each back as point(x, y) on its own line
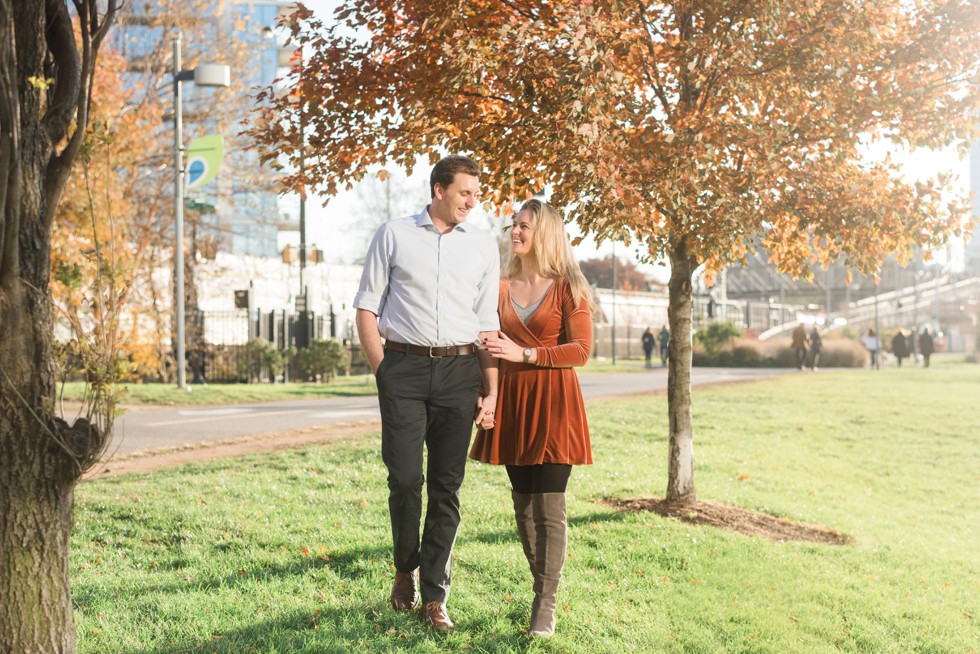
point(404, 596)
point(437, 618)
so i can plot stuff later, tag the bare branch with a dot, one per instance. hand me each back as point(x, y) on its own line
point(9, 143)
point(652, 33)
point(59, 167)
point(61, 43)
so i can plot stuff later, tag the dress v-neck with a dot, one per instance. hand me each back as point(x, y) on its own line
point(526, 315)
point(538, 301)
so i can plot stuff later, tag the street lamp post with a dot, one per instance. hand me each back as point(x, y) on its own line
point(287, 54)
point(304, 320)
point(915, 307)
point(878, 342)
point(614, 301)
point(203, 75)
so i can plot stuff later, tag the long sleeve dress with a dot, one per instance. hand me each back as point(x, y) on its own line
point(540, 412)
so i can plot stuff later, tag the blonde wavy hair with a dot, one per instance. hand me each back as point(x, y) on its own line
point(553, 252)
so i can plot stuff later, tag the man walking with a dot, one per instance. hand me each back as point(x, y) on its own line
point(429, 289)
point(926, 346)
point(799, 344)
point(647, 341)
point(664, 338)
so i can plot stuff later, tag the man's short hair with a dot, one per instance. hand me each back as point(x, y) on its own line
point(444, 172)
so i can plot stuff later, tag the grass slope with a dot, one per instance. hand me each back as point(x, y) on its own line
point(290, 552)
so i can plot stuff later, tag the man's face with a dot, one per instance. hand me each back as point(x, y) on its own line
point(454, 203)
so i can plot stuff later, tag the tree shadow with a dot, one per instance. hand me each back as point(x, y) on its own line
point(349, 564)
point(363, 627)
point(508, 535)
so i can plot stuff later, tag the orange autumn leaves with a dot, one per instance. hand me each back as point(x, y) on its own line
point(725, 124)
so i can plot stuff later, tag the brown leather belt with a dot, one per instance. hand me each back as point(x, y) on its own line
point(432, 351)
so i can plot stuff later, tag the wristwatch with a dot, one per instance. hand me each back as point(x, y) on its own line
point(527, 355)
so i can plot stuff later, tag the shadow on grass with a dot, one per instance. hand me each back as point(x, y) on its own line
point(509, 535)
point(362, 627)
point(348, 564)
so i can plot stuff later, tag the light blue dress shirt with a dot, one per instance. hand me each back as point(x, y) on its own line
point(430, 288)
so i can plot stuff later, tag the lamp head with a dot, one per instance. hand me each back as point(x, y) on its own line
point(212, 75)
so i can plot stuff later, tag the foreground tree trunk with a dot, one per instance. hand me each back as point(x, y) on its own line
point(37, 474)
point(36, 494)
point(680, 453)
point(44, 87)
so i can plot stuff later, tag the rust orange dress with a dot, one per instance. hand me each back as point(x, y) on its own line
point(540, 411)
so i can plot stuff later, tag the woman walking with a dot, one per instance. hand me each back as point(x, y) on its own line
point(541, 430)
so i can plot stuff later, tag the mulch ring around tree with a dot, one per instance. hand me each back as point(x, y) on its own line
point(732, 518)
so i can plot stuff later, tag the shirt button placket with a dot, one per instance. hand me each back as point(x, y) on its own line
point(439, 286)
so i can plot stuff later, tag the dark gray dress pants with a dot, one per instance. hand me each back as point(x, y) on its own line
point(428, 402)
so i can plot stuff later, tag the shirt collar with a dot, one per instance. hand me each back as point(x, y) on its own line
point(424, 220)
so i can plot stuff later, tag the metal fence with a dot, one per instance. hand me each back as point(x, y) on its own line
point(223, 357)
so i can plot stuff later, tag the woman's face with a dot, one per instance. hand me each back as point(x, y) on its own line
point(522, 234)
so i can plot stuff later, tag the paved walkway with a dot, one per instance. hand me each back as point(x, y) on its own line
point(152, 428)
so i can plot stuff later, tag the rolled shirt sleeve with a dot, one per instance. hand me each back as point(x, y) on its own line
point(373, 288)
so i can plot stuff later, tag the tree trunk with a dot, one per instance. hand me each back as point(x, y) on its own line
point(37, 474)
point(43, 91)
point(36, 498)
point(680, 454)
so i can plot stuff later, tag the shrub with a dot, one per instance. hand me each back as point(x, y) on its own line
point(322, 360)
point(746, 356)
point(835, 353)
point(260, 356)
point(716, 335)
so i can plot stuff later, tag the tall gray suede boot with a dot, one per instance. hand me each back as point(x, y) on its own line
point(524, 515)
point(549, 557)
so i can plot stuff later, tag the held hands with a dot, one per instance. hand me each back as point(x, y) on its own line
point(501, 347)
point(485, 407)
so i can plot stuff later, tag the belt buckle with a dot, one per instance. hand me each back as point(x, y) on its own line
point(433, 356)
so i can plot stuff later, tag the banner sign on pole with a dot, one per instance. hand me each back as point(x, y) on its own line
point(204, 157)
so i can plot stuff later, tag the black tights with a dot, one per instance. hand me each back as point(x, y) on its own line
point(540, 478)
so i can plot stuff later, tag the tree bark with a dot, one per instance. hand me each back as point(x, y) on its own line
point(41, 457)
point(680, 453)
point(38, 473)
point(36, 501)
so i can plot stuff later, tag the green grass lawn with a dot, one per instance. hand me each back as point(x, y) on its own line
point(290, 552)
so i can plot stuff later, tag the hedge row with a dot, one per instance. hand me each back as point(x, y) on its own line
point(743, 353)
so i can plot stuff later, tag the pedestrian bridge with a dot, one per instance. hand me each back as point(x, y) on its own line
point(947, 305)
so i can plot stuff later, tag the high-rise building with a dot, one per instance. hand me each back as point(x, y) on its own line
point(238, 213)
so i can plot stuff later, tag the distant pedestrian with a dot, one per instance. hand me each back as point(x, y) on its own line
point(816, 344)
point(664, 337)
point(872, 345)
point(926, 346)
point(900, 346)
point(197, 359)
point(647, 340)
point(799, 345)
